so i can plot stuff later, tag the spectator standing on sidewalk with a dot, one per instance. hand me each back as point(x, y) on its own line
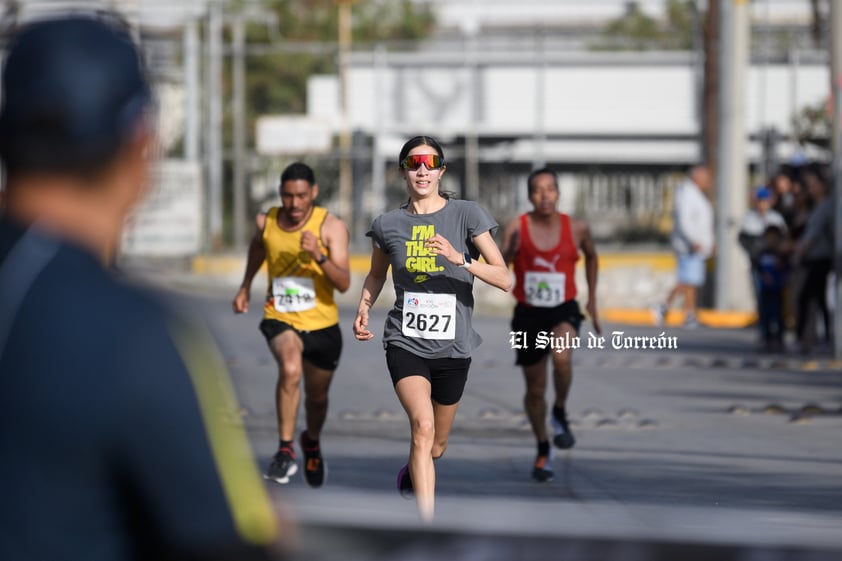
point(772, 270)
point(815, 252)
point(783, 196)
point(757, 219)
point(306, 252)
point(692, 241)
point(544, 246)
point(752, 238)
point(796, 222)
point(119, 431)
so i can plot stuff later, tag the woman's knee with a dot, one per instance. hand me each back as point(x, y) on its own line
point(423, 431)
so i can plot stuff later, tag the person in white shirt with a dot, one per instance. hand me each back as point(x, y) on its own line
point(758, 218)
point(692, 240)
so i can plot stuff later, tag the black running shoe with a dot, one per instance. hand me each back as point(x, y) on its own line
point(563, 435)
point(543, 470)
point(282, 467)
point(404, 483)
point(315, 470)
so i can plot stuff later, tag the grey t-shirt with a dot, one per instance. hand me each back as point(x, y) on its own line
point(819, 231)
point(401, 234)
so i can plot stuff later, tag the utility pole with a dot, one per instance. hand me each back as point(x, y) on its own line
point(238, 110)
point(836, 144)
point(710, 94)
point(191, 87)
point(346, 178)
point(470, 31)
point(733, 291)
point(378, 163)
point(540, 158)
point(472, 176)
point(214, 123)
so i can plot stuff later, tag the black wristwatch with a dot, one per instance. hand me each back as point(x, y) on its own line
point(467, 263)
point(321, 260)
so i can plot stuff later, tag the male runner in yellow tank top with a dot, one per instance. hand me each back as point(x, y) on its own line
point(306, 252)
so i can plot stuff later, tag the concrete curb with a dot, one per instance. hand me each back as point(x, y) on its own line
point(735, 319)
point(229, 267)
point(221, 264)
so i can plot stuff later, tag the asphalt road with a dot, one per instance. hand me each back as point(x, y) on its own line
point(707, 450)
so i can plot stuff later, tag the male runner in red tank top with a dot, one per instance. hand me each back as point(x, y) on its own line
point(544, 246)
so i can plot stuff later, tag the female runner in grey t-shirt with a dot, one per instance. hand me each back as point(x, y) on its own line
point(432, 244)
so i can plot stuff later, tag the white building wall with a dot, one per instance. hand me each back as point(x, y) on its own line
point(620, 100)
point(604, 101)
point(775, 92)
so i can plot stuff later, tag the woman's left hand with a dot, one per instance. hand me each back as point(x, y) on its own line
point(440, 246)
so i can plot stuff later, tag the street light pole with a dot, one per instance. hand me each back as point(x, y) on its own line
point(733, 291)
point(345, 142)
point(192, 91)
point(836, 144)
point(724, 155)
point(214, 125)
point(238, 104)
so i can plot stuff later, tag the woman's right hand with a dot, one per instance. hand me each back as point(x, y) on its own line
point(361, 332)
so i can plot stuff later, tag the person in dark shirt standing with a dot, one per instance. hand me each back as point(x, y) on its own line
point(119, 433)
point(772, 276)
point(814, 252)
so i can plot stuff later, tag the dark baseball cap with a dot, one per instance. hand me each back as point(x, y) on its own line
point(74, 89)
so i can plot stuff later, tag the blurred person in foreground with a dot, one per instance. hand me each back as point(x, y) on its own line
point(120, 436)
point(305, 249)
point(544, 246)
point(692, 241)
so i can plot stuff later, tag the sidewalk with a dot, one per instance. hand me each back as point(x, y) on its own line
point(639, 277)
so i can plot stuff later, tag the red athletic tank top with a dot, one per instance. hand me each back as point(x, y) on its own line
point(560, 259)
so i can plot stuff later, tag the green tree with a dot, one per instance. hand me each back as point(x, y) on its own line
point(281, 58)
point(276, 83)
point(680, 23)
point(812, 123)
point(636, 31)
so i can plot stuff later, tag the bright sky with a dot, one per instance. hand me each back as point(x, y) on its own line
point(495, 12)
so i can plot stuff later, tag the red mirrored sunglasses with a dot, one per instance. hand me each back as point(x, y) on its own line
point(431, 161)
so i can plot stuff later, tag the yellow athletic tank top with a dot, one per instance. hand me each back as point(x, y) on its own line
point(299, 293)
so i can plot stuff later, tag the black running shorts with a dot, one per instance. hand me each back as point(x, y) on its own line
point(531, 320)
point(321, 347)
point(447, 376)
